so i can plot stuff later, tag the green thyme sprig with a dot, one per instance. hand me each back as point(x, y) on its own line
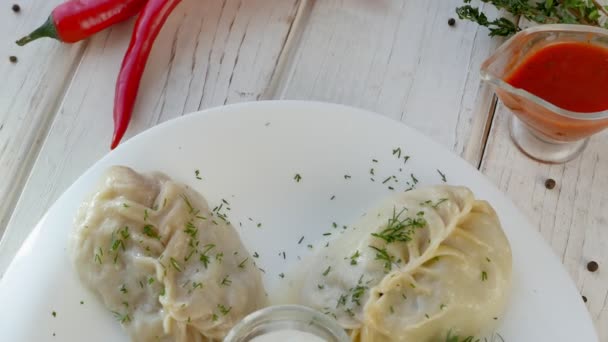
point(587, 12)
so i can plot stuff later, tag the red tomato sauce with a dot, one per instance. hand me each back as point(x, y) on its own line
point(573, 76)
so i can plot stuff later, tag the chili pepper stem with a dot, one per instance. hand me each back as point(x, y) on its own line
point(46, 30)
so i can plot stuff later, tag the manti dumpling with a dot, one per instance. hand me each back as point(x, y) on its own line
point(425, 264)
point(164, 264)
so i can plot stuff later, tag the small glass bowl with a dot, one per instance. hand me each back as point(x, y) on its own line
point(287, 317)
point(541, 129)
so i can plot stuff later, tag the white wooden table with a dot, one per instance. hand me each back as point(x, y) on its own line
point(396, 57)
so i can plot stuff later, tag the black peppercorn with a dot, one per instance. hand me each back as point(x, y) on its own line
point(592, 266)
point(584, 299)
point(12, 59)
point(16, 8)
point(451, 21)
point(550, 183)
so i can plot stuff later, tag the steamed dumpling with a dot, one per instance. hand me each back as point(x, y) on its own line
point(425, 263)
point(166, 266)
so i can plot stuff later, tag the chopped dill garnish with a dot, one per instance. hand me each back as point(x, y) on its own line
point(400, 230)
point(187, 201)
point(204, 258)
point(226, 281)
point(397, 152)
point(382, 255)
point(223, 310)
point(442, 175)
point(175, 264)
point(150, 231)
point(354, 257)
point(122, 318)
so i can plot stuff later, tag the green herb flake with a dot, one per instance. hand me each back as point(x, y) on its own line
point(382, 255)
point(397, 152)
point(354, 257)
point(223, 310)
point(150, 231)
point(442, 175)
point(297, 178)
point(226, 281)
point(326, 272)
point(175, 264)
point(484, 276)
point(122, 318)
point(400, 230)
point(188, 204)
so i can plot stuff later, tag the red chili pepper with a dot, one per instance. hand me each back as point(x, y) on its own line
point(147, 27)
point(76, 20)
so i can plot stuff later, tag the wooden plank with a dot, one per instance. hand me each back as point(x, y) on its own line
point(398, 58)
point(209, 53)
point(29, 94)
point(573, 217)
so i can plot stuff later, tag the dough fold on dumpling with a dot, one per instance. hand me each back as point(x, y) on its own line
point(426, 263)
point(164, 264)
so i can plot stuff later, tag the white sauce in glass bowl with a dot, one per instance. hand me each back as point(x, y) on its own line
point(288, 335)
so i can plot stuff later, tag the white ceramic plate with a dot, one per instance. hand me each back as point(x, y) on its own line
point(249, 154)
